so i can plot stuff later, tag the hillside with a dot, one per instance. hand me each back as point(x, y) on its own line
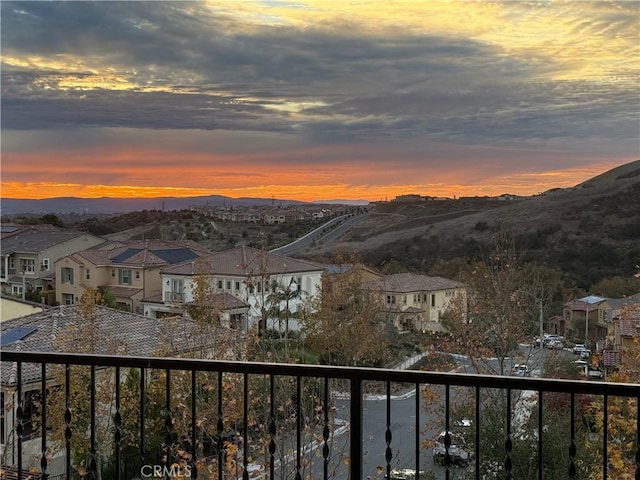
point(590, 231)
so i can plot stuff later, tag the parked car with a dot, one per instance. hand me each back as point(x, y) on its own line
point(521, 370)
point(404, 474)
point(585, 353)
point(555, 345)
point(578, 348)
point(593, 372)
point(549, 339)
point(459, 454)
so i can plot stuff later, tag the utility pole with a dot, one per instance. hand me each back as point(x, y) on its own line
point(586, 326)
point(541, 319)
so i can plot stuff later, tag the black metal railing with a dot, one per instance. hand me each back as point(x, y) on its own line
point(138, 417)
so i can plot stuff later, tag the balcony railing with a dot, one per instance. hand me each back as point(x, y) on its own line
point(137, 417)
point(173, 297)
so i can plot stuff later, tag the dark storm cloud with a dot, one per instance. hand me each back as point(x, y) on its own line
point(217, 73)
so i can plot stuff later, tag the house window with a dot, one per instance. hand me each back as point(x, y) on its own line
point(176, 286)
point(391, 299)
point(137, 274)
point(220, 284)
point(124, 277)
point(228, 284)
point(299, 283)
point(67, 298)
point(45, 264)
point(27, 265)
point(88, 274)
point(251, 289)
point(237, 286)
point(17, 290)
point(113, 273)
point(433, 299)
point(12, 263)
point(66, 275)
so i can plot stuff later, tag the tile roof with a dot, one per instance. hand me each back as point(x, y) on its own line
point(618, 303)
point(611, 358)
point(630, 327)
point(123, 292)
point(246, 261)
point(66, 329)
point(412, 282)
point(35, 241)
point(148, 253)
point(338, 268)
point(226, 301)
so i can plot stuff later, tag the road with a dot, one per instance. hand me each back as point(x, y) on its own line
point(325, 233)
point(403, 427)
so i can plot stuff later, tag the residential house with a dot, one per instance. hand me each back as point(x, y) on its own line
point(416, 302)
point(364, 273)
point(599, 310)
point(262, 280)
point(129, 271)
point(12, 307)
point(29, 254)
point(623, 335)
point(67, 328)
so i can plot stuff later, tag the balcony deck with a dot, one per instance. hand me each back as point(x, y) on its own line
point(296, 435)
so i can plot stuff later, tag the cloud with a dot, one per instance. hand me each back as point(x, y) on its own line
point(320, 83)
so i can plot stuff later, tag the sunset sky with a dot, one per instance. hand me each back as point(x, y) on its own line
point(315, 100)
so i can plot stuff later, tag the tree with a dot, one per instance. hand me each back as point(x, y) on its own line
point(617, 287)
point(489, 321)
point(205, 307)
point(537, 290)
point(278, 300)
point(342, 323)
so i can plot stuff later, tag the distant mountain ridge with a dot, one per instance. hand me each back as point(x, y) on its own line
point(12, 206)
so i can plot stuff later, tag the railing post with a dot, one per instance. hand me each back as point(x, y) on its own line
point(43, 417)
point(355, 462)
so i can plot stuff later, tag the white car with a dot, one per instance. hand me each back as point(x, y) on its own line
point(594, 372)
point(521, 370)
point(578, 348)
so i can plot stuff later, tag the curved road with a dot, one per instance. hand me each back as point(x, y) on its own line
point(327, 232)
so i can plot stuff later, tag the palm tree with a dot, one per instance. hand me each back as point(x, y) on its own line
point(280, 294)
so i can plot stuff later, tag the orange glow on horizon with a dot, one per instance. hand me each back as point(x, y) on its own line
point(520, 184)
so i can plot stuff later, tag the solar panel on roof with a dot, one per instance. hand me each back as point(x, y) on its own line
point(175, 255)
point(128, 253)
point(15, 334)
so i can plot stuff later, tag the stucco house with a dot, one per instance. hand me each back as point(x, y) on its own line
point(600, 312)
point(416, 302)
point(130, 271)
point(12, 307)
point(29, 253)
point(261, 280)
